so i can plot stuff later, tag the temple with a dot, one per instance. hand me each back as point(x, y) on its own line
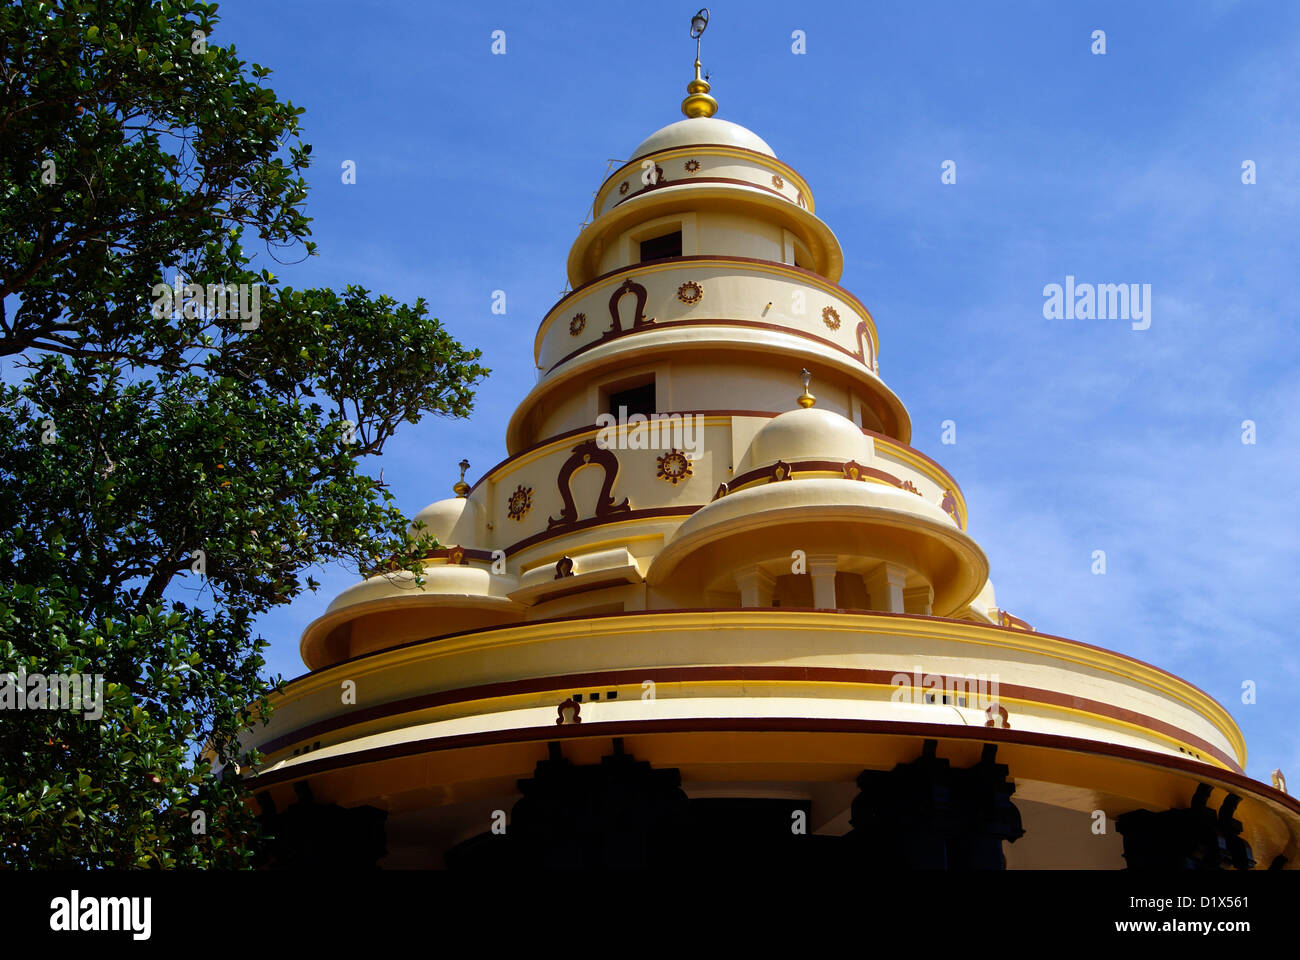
point(714, 606)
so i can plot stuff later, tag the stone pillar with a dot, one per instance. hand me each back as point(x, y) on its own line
point(885, 587)
point(755, 587)
point(619, 814)
point(926, 815)
point(321, 836)
point(1194, 838)
point(822, 570)
point(918, 600)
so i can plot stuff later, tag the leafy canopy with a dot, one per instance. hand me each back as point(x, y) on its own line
point(168, 474)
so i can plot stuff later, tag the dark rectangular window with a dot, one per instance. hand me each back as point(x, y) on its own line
point(637, 400)
point(669, 245)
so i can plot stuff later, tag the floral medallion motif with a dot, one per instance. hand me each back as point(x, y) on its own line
point(674, 467)
point(521, 501)
point(777, 181)
point(690, 292)
point(910, 487)
point(692, 166)
point(577, 324)
point(831, 317)
point(623, 188)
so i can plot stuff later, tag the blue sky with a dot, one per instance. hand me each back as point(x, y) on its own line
point(474, 172)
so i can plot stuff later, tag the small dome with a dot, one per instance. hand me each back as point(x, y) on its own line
point(443, 584)
point(703, 130)
point(828, 516)
point(809, 434)
point(453, 521)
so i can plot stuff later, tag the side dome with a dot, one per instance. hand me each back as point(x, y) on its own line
point(454, 521)
point(697, 131)
point(808, 434)
point(389, 609)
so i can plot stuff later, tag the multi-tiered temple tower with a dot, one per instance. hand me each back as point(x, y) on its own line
point(756, 628)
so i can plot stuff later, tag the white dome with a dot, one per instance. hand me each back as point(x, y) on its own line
point(443, 584)
point(810, 434)
point(701, 131)
point(453, 521)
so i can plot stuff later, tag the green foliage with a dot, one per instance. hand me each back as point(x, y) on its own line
point(134, 440)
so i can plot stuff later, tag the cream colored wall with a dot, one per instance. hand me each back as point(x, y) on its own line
point(764, 383)
point(773, 295)
point(624, 249)
point(379, 631)
point(737, 236)
point(569, 409)
point(860, 641)
point(753, 170)
point(706, 233)
point(639, 483)
point(1058, 838)
point(770, 322)
point(610, 599)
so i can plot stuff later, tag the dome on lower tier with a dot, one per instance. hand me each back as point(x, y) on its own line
point(832, 517)
point(808, 434)
point(703, 131)
point(389, 609)
point(453, 521)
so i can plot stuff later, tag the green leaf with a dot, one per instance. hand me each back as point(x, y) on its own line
point(174, 433)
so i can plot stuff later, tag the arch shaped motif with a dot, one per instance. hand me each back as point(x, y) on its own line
point(585, 454)
point(865, 352)
point(639, 319)
point(949, 506)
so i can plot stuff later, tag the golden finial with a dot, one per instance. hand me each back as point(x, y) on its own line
point(698, 103)
point(460, 487)
point(806, 400)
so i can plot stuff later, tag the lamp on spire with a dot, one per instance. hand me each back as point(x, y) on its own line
point(698, 103)
point(806, 399)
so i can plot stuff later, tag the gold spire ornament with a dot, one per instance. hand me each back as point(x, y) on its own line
point(698, 103)
point(460, 487)
point(806, 399)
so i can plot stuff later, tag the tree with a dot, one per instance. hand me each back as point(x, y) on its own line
point(172, 461)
